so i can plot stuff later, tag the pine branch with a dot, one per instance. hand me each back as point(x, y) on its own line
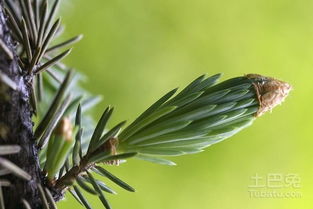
point(34, 81)
point(200, 115)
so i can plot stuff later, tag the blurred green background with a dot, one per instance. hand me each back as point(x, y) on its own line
point(135, 51)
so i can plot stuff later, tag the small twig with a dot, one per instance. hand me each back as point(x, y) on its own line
point(85, 165)
point(70, 176)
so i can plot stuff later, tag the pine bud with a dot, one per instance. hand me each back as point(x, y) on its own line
point(270, 92)
point(59, 146)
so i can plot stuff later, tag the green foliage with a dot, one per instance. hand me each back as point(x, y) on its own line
point(200, 115)
point(71, 146)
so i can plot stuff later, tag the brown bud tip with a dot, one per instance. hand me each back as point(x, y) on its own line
point(65, 129)
point(112, 145)
point(270, 92)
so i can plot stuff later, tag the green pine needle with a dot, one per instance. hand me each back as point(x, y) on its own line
point(113, 178)
point(100, 194)
point(79, 195)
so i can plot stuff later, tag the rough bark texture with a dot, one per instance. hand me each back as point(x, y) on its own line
point(16, 126)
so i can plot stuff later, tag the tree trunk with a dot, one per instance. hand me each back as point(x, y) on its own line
point(16, 124)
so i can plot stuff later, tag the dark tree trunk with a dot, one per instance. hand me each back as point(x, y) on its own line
point(16, 125)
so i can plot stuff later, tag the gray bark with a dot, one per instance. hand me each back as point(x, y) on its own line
point(16, 125)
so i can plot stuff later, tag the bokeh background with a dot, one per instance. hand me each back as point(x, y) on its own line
point(135, 51)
